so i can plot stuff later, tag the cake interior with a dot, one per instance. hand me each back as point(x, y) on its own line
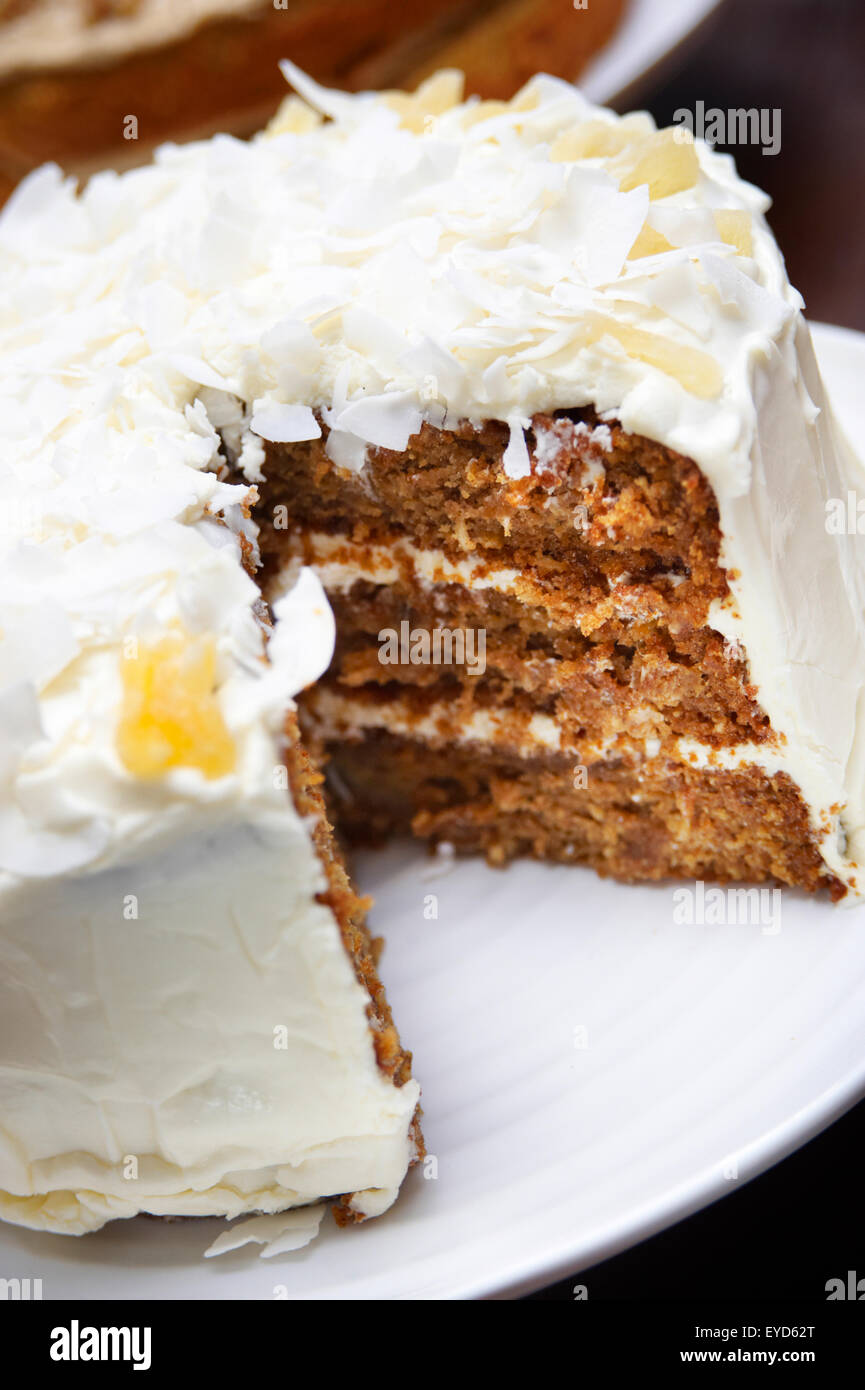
point(362, 948)
point(528, 666)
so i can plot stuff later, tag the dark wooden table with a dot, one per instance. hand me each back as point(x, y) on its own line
point(788, 1232)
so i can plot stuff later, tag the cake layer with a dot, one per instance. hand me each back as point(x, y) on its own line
point(603, 608)
point(598, 510)
point(330, 713)
point(627, 816)
point(594, 581)
point(562, 583)
point(604, 688)
point(513, 635)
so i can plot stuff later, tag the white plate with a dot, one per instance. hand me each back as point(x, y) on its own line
point(648, 34)
point(708, 1047)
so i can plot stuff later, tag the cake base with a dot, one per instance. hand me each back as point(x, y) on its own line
point(361, 947)
point(635, 819)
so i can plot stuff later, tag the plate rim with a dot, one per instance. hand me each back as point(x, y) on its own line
point(615, 74)
point(777, 1144)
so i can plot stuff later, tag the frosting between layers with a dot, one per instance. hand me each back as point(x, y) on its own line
point(336, 715)
point(340, 563)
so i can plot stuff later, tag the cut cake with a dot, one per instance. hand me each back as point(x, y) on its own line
point(524, 390)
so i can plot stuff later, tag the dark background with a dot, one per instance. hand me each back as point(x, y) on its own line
point(786, 1233)
point(807, 58)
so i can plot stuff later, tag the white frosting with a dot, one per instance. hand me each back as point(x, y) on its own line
point(386, 267)
point(210, 1056)
point(279, 1234)
point(152, 1038)
point(151, 1035)
point(797, 610)
point(339, 563)
point(339, 715)
point(385, 276)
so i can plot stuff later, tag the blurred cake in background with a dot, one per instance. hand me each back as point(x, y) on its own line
point(98, 83)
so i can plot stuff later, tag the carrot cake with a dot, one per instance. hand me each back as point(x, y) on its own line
point(481, 442)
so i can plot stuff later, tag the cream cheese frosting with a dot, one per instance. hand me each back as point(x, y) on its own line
point(181, 1030)
point(207, 1056)
point(371, 261)
point(335, 714)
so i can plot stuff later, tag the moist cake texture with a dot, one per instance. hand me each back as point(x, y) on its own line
point(487, 440)
point(610, 724)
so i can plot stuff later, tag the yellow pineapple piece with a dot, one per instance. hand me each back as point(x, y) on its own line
point(734, 227)
point(441, 91)
point(567, 148)
point(294, 117)
point(433, 97)
point(593, 140)
point(648, 243)
point(526, 99)
point(410, 117)
point(170, 716)
point(666, 161)
point(484, 111)
point(695, 370)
